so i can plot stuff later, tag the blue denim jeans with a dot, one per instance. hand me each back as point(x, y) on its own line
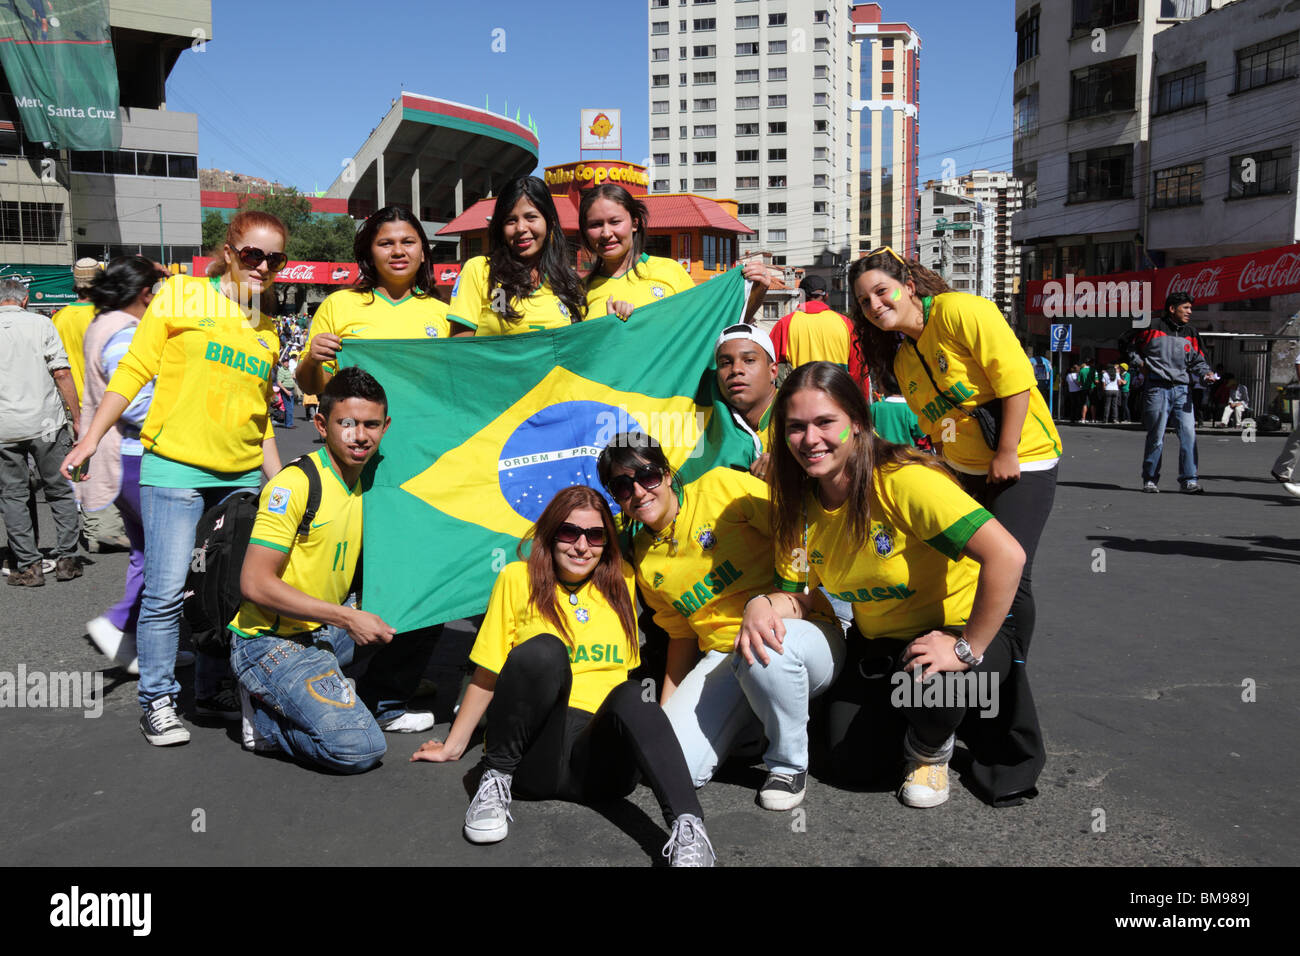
point(287, 395)
point(302, 702)
point(1160, 403)
point(722, 695)
point(170, 517)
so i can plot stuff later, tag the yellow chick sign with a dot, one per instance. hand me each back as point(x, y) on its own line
point(602, 129)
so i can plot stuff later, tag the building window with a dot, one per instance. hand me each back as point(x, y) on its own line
point(658, 54)
point(1260, 173)
point(681, 106)
point(681, 26)
point(683, 245)
point(774, 309)
point(747, 209)
point(704, 52)
point(821, 45)
point(681, 157)
point(746, 155)
point(1267, 62)
point(776, 209)
point(746, 102)
point(658, 29)
point(1105, 88)
point(1182, 9)
point(776, 235)
point(1025, 112)
point(746, 182)
point(705, 132)
point(824, 99)
point(705, 105)
point(746, 129)
point(823, 126)
point(821, 152)
point(819, 234)
point(706, 184)
point(681, 55)
point(706, 79)
point(659, 132)
point(777, 128)
point(1027, 36)
point(776, 19)
point(681, 185)
point(1105, 173)
point(127, 162)
point(661, 185)
point(821, 179)
point(34, 223)
point(710, 251)
point(821, 16)
point(747, 76)
point(747, 23)
point(776, 182)
point(821, 72)
point(705, 25)
point(746, 49)
point(1090, 14)
point(1178, 186)
point(681, 81)
point(1112, 257)
point(659, 106)
point(776, 101)
point(706, 158)
point(660, 159)
point(1181, 88)
point(657, 4)
point(659, 79)
point(776, 155)
point(775, 46)
point(776, 73)
point(820, 208)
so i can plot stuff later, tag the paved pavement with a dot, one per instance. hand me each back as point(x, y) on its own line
point(1138, 672)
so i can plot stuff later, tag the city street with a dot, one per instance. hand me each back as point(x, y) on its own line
point(1164, 668)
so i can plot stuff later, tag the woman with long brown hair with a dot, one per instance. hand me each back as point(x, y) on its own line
point(552, 656)
point(209, 345)
point(930, 575)
point(973, 390)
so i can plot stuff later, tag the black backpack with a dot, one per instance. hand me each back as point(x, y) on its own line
point(220, 542)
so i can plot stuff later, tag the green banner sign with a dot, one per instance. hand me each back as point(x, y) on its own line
point(46, 285)
point(60, 66)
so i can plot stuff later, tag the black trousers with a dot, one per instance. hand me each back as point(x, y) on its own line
point(1022, 507)
point(867, 715)
point(559, 752)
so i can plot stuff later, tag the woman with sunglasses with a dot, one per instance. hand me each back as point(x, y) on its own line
point(930, 575)
point(974, 392)
point(209, 345)
point(552, 656)
point(393, 297)
point(526, 282)
point(702, 552)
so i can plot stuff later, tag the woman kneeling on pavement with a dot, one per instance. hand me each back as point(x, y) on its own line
point(563, 720)
point(930, 575)
point(701, 552)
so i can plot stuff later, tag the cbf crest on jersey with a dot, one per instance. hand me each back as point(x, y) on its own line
point(430, 331)
point(583, 615)
point(882, 538)
point(705, 536)
point(941, 360)
point(657, 291)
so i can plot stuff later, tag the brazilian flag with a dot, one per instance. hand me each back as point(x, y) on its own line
point(486, 430)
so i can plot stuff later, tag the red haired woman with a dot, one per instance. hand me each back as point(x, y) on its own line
point(209, 345)
point(563, 720)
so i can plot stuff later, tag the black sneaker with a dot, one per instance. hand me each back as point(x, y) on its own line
point(223, 704)
point(783, 791)
point(160, 725)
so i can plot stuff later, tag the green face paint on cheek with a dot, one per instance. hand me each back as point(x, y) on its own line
point(897, 294)
point(844, 435)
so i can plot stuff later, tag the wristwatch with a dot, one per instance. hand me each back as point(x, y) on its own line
point(963, 652)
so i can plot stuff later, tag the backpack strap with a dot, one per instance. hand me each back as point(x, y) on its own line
point(307, 465)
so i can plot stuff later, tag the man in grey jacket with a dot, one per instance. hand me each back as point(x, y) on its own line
point(1170, 353)
point(1284, 469)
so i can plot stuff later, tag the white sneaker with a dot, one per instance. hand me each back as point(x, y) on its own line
point(488, 818)
point(253, 741)
point(112, 643)
point(411, 722)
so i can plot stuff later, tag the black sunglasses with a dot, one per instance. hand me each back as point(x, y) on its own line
point(570, 533)
point(252, 257)
point(620, 486)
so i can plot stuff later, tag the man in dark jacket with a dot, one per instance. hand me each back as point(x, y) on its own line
point(1170, 354)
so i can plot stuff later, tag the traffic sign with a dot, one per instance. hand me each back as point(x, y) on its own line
point(1060, 335)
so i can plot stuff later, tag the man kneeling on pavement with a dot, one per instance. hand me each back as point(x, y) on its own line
point(292, 634)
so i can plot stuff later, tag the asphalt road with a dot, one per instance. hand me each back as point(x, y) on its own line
point(1139, 672)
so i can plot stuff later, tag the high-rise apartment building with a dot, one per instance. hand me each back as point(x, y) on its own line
point(887, 130)
point(1001, 195)
point(956, 240)
point(753, 100)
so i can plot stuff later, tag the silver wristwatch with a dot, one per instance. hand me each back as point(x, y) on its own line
point(963, 652)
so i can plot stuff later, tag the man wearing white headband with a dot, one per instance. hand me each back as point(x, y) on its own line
point(746, 361)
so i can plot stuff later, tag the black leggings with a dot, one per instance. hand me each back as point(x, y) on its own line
point(1022, 507)
point(559, 752)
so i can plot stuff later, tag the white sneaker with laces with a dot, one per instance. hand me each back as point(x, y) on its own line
point(253, 741)
point(411, 722)
point(488, 818)
point(161, 726)
point(688, 844)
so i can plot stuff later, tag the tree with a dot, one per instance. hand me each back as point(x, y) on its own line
point(214, 232)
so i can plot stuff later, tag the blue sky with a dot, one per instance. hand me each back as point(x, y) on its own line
point(318, 79)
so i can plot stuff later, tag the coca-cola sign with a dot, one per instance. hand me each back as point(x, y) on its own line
point(1251, 275)
point(329, 273)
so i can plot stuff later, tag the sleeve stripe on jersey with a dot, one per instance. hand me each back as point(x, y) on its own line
point(790, 587)
point(477, 664)
point(952, 539)
point(269, 544)
point(459, 320)
point(1048, 434)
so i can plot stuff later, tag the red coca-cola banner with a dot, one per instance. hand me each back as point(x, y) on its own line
point(330, 273)
point(1248, 276)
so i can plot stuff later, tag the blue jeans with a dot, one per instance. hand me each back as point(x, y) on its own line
point(302, 702)
point(287, 395)
point(170, 517)
point(1161, 402)
point(722, 695)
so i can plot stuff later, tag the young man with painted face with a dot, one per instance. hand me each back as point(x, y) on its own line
point(292, 628)
point(746, 361)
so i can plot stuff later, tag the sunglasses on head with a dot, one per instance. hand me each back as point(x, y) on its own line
point(620, 486)
point(570, 533)
point(252, 257)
